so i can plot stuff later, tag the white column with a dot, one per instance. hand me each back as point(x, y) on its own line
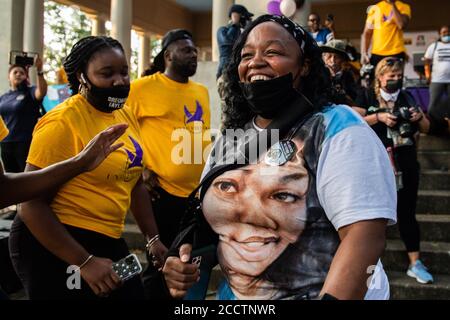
point(17, 24)
point(121, 20)
point(98, 25)
point(11, 35)
point(302, 15)
point(33, 37)
point(219, 18)
point(144, 52)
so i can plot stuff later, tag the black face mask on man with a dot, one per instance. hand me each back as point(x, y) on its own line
point(394, 85)
point(106, 99)
point(266, 98)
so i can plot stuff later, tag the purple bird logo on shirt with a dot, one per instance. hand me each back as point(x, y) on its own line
point(197, 116)
point(135, 158)
point(388, 18)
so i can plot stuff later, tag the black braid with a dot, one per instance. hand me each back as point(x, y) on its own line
point(80, 54)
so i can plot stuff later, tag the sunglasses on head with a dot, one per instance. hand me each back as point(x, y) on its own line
point(391, 61)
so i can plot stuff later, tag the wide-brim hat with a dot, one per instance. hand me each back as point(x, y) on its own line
point(336, 46)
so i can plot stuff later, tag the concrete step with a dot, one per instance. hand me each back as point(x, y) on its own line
point(432, 228)
point(433, 143)
point(434, 180)
point(434, 160)
point(433, 202)
point(133, 237)
point(129, 218)
point(406, 288)
point(435, 255)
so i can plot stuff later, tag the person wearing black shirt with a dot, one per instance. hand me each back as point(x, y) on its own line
point(20, 109)
point(344, 83)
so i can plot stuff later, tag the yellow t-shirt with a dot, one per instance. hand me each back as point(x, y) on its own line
point(387, 37)
point(175, 128)
point(3, 130)
point(96, 200)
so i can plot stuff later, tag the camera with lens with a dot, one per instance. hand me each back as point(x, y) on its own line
point(244, 21)
point(404, 125)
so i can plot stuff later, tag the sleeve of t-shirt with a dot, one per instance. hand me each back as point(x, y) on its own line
point(329, 36)
point(355, 180)
point(429, 52)
point(370, 21)
point(53, 141)
point(405, 9)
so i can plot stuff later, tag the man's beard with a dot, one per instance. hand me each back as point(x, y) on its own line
point(185, 69)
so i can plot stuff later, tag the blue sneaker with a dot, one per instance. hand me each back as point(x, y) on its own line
point(420, 272)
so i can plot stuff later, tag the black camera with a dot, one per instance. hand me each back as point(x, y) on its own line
point(25, 59)
point(404, 125)
point(244, 21)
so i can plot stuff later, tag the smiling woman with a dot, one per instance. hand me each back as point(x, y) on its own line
point(292, 223)
point(80, 224)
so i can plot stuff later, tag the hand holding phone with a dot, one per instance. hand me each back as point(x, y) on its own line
point(127, 267)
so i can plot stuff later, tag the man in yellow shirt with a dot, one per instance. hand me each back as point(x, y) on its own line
point(384, 30)
point(174, 117)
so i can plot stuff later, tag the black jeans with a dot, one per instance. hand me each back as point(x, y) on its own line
point(168, 211)
point(375, 58)
point(14, 155)
point(45, 276)
point(407, 198)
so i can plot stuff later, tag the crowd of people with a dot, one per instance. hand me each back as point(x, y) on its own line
point(283, 195)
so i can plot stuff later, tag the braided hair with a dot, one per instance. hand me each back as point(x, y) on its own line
point(81, 53)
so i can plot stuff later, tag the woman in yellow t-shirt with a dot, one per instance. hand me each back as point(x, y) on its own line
point(80, 225)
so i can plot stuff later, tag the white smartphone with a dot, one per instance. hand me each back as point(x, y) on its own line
point(127, 267)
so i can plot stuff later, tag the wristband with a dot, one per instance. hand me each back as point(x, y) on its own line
point(85, 262)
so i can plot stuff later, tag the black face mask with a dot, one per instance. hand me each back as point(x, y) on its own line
point(394, 85)
point(267, 98)
point(107, 99)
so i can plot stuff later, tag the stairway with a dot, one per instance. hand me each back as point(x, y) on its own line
point(433, 215)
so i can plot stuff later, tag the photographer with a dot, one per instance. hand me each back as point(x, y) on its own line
point(396, 119)
point(227, 35)
point(337, 60)
point(20, 108)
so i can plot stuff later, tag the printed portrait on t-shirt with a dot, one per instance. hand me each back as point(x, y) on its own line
point(261, 211)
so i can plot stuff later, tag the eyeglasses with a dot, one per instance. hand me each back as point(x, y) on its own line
point(313, 20)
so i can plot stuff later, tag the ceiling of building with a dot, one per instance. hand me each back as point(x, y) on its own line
point(196, 5)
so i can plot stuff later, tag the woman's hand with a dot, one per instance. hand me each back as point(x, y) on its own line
point(100, 147)
point(100, 276)
point(158, 253)
point(416, 114)
point(179, 274)
point(389, 119)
